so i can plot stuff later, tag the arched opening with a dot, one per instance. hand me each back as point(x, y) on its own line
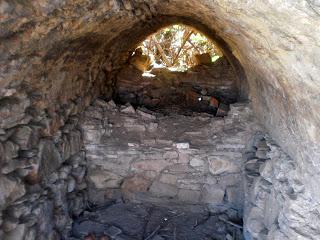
point(178, 70)
point(60, 64)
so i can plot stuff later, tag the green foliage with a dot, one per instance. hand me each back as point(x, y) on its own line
point(175, 47)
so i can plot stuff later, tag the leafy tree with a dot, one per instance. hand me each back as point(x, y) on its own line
point(176, 46)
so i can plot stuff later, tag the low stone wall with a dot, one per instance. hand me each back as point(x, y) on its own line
point(143, 157)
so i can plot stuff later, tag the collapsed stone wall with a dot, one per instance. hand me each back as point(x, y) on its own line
point(189, 160)
point(43, 165)
point(275, 195)
point(162, 87)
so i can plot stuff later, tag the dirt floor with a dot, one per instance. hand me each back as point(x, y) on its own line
point(129, 221)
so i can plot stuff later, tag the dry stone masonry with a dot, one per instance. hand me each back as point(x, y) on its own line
point(42, 174)
point(142, 157)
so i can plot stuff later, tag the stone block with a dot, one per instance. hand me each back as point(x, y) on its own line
point(150, 165)
point(266, 170)
point(149, 142)
point(235, 196)
point(75, 141)
point(152, 127)
point(221, 164)
point(212, 194)
point(17, 234)
point(19, 210)
point(24, 138)
point(10, 151)
point(180, 168)
point(163, 190)
point(103, 179)
point(12, 111)
point(9, 224)
point(31, 234)
point(165, 142)
point(168, 178)
point(128, 109)
point(112, 232)
point(49, 157)
point(184, 157)
point(183, 145)
point(170, 155)
point(10, 190)
point(187, 195)
point(135, 127)
point(145, 115)
point(133, 185)
point(197, 161)
point(71, 184)
point(254, 222)
point(231, 146)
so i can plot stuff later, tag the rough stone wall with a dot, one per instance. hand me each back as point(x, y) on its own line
point(163, 86)
point(167, 159)
point(274, 192)
point(42, 171)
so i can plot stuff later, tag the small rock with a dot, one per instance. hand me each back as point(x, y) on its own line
point(220, 164)
point(222, 110)
point(133, 185)
point(113, 231)
point(111, 104)
point(182, 145)
point(11, 190)
point(9, 225)
point(20, 210)
point(187, 195)
point(31, 234)
point(102, 179)
point(10, 151)
point(127, 5)
point(17, 234)
point(145, 115)
point(71, 184)
point(12, 111)
point(104, 238)
point(212, 195)
point(196, 162)
point(163, 190)
point(23, 137)
point(128, 109)
point(152, 127)
point(49, 156)
point(229, 237)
